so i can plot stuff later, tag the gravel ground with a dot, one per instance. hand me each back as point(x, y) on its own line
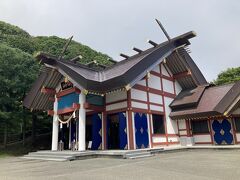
point(187, 165)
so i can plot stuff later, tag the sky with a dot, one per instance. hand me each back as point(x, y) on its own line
point(115, 26)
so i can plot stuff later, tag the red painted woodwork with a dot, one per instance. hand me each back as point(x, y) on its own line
point(68, 91)
point(182, 74)
point(46, 90)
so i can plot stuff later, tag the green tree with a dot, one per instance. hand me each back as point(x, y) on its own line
point(18, 70)
point(228, 76)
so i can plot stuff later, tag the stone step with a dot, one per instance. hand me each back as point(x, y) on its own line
point(44, 158)
point(134, 155)
point(140, 156)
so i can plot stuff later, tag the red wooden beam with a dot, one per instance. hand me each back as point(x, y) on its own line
point(50, 112)
point(68, 91)
point(46, 90)
point(182, 74)
point(51, 99)
point(93, 107)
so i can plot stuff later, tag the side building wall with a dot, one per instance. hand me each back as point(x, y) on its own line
point(152, 95)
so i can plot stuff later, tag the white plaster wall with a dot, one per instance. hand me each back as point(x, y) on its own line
point(168, 86)
point(156, 69)
point(116, 96)
point(164, 71)
point(138, 94)
point(178, 88)
point(202, 138)
point(154, 82)
point(156, 108)
point(139, 105)
point(115, 106)
point(182, 124)
point(155, 98)
point(159, 139)
point(142, 82)
point(173, 139)
point(182, 133)
point(238, 136)
point(171, 124)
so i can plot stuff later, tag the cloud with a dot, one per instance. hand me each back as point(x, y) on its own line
point(113, 27)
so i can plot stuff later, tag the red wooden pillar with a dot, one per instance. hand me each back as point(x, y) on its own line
point(130, 124)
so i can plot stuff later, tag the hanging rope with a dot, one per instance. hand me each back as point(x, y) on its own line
point(65, 122)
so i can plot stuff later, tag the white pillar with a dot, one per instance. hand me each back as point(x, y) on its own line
point(55, 127)
point(82, 123)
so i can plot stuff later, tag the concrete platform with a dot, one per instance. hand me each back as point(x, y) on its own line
point(122, 154)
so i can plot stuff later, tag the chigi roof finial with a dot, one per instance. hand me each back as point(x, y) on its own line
point(162, 28)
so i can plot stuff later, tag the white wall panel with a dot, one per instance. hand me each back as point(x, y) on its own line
point(142, 82)
point(154, 82)
point(171, 124)
point(155, 98)
point(238, 136)
point(182, 133)
point(116, 96)
point(139, 105)
point(159, 139)
point(156, 69)
point(202, 138)
point(182, 124)
point(156, 108)
point(178, 88)
point(168, 86)
point(138, 94)
point(164, 71)
point(115, 106)
point(173, 139)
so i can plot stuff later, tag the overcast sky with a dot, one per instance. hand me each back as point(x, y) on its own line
point(114, 27)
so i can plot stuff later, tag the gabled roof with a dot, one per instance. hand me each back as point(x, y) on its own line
point(206, 101)
point(126, 72)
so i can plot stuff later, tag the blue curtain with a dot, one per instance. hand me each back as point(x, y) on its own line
point(222, 132)
point(122, 131)
point(141, 131)
point(96, 132)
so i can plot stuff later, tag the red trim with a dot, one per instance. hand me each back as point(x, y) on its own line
point(130, 124)
point(199, 134)
point(161, 76)
point(154, 91)
point(68, 91)
point(157, 112)
point(149, 117)
point(188, 128)
point(163, 101)
point(50, 112)
point(105, 125)
point(146, 102)
point(116, 111)
point(52, 99)
point(166, 69)
point(211, 132)
point(140, 110)
point(163, 135)
point(234, 130)
point(182, 74)
point(46, 90)
point(166, 143)
point(93, 107)
point(114, 102)
point(203, 142)
point(66, 110)
point(74, 107)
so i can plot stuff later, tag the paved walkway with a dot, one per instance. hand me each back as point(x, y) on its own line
point(188, 165)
